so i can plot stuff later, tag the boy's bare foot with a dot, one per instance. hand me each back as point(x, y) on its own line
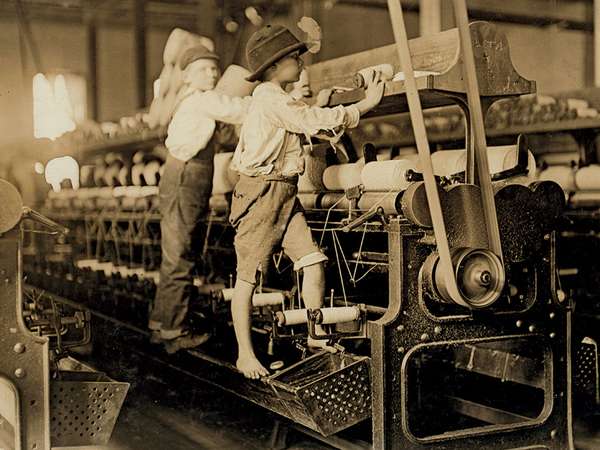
point(251, 367)
point(320, 344)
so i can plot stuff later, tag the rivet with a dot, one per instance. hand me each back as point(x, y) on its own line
point(19, 347)
point(519, 323)
point(13, 330)
point(400, 349)
point(400, 327)
point(553, 434)
point(424, 337)
point(531, 328)
point(552, 335)
point(546, 237)
point(552, 315)
point(560, 294)
point(20, 372)
point(437, 329)
point(7, 280)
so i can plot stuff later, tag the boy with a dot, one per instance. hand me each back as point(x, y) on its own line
point(185, 189)
point(265, 210)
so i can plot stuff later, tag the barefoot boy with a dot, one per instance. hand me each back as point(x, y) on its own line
point(265, 210)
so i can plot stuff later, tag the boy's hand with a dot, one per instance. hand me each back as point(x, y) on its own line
point(373, 94)
point(323, 97)
point(374, 91)
point(300, 91)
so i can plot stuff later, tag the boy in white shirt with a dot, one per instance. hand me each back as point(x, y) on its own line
point(185, 189)
point(265, 210)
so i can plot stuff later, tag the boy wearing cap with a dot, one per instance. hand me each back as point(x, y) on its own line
point(185, 189)
point(265, 210)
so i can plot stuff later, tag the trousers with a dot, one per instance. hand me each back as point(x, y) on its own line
point(184, 193)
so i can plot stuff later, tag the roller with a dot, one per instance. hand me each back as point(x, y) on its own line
point(391, 202)
point(259, 299)
point(291, 317)
point(500, 158)
point(564, 176)
point(384, 176)
point(588, 178)
point(233, 82)
point(337, 314)
point(329, 199)
point(340, 177)
point(309, 200)
point(151, 173)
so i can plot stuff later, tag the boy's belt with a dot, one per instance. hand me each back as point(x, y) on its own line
point(274, 176)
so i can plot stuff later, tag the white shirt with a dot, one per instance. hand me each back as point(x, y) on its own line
point(273, 124)
point(193, 123)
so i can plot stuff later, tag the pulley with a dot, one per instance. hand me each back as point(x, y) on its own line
point(478, 273)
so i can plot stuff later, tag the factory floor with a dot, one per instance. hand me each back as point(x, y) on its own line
point(155, 417)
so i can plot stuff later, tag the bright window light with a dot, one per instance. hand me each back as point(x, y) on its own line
point(59, 103)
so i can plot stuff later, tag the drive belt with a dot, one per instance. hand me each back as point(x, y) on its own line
point(416, 115)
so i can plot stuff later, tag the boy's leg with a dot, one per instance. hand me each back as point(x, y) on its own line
point(241, 311)
point(313, 291)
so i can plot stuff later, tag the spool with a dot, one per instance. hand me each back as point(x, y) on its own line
point(331, 198)
point(386, 176)
point(309, 200)
point(337, 314)
point(291, 317)
point(362, 78)
point(267, 299)
point(564, 176)
point(588, 178)
point(340, 177)
point(391, 202)
point(233, 82)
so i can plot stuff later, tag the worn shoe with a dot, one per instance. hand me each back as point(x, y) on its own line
point(185, 341)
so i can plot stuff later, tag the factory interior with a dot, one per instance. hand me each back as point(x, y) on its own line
point(299, 224)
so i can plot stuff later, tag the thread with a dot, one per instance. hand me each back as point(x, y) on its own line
point(386, 175)
point(340, 177)
point(267, 299)
point(292, 317)
point(339, 314)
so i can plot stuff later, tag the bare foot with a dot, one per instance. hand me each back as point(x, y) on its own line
point(320, 344)
point(251, 367)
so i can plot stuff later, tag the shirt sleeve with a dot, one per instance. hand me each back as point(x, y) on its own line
point(223, 108)
point(298, 117)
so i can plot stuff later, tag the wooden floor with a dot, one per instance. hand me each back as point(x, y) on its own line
point(161, 419)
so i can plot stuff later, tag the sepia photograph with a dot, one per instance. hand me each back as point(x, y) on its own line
point(299, 224)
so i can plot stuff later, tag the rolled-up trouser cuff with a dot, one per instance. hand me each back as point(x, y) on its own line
point(309, 260)
point(171, 334)
point(154, 325)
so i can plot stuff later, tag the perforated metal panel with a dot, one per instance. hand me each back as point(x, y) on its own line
point(341, 399)
point(84, 407)
point(586, 370)
point(329, 392)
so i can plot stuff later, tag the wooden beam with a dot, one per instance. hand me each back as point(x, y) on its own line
point(430, 17)
point(139, 51)
point(596, 42)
